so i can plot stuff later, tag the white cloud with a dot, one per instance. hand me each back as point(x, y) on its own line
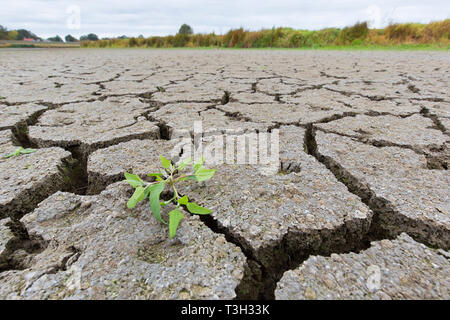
point(133, 17)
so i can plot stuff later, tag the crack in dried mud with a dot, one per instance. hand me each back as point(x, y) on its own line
point(387, 222)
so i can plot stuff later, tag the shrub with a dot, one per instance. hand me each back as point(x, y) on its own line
point(437, 32)
point(358, 31)
point(234, 38)
point(180, 40)
point(410, 32)
point(358, 34)
point(132, 42)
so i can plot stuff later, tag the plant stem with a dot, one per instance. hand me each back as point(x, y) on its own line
point(185, 176)
point(172, 182)
point(150, 183)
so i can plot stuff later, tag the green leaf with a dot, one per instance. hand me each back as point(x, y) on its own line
point(183, 164)
point(203, 174)
point(19, 151)
point(165, 162)
point(175, 216)
point(184, 200)
point(137, 196)
point(191, 177)
point(159, 176)
point(195, 208)
point(199, 164)
point(155, 191)
point(154, 175)
point(134, 180)
point(14, 154)
point(146, 193)
point(26, 151)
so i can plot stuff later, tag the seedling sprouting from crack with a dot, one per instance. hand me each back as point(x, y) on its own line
point(18, 152)
point(169, 176)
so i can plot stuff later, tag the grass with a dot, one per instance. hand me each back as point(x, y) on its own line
point(424, 47)
point(26, 44)
point(18, 45)
point(394, 47)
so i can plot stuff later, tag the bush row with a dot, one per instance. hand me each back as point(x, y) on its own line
point(358, 34)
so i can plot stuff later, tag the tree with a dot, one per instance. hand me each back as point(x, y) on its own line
point(22, 33)
point(55, 39)
point(3, 33)
point(90, 37)
point(13, 35)
point(185, 29)
point(70, 38)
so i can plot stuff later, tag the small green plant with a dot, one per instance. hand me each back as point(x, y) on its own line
point(18, 152)
point(168, 177)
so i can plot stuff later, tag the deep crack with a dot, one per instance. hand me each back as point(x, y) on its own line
point(387, 222)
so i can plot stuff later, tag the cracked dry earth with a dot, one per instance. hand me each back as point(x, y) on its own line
point(359, 208)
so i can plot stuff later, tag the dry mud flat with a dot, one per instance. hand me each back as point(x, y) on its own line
point(357, 209)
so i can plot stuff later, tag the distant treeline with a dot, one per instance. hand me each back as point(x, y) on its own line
point(358, 34)
point(22, 34)
point(18, 34)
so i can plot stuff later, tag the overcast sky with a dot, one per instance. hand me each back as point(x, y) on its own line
point(147, 17)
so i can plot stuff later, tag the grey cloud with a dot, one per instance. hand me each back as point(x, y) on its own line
point(134, 17)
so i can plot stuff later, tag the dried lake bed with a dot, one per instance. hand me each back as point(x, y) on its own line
point(358, 207)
